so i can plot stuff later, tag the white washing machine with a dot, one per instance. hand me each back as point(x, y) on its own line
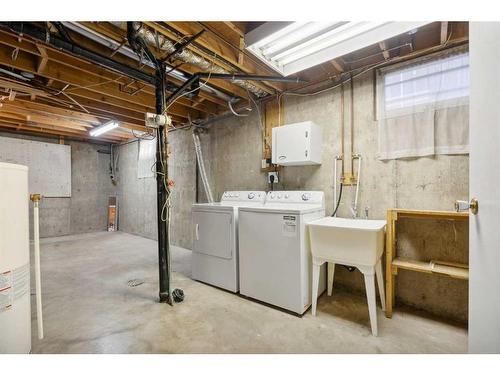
point(275, 258)
point(215, 245)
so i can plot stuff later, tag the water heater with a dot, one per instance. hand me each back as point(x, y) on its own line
point(15, 311)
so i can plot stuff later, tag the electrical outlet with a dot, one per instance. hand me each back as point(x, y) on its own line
point(275, 174)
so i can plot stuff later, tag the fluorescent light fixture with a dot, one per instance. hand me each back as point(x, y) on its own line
point(104, 128)
point(290, 47)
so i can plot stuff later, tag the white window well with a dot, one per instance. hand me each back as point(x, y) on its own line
point(423, 107)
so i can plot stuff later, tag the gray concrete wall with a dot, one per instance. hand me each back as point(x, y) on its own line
point(233, 153)
point(232, 149)
point(137, 197)
point(86, 210)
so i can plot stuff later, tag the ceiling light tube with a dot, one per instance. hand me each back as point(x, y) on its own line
point(104, 128)
point(329, 39)
point(291, 47)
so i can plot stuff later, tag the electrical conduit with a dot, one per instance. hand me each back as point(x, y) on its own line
point(201, 167)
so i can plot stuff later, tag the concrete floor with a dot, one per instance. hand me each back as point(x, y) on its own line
point(89, 308)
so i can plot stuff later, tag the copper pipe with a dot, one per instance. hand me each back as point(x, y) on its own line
point(342, 125)
point(352, 125)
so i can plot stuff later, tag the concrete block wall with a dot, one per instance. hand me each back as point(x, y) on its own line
point(86, 210)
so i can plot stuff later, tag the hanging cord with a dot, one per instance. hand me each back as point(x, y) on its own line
point(338, 200)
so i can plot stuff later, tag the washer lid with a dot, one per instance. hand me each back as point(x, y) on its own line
point(284, 208)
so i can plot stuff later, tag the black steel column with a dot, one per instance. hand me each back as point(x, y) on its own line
point(161, 153)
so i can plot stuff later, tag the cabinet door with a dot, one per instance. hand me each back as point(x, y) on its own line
point(213, 233)
point(292, 144)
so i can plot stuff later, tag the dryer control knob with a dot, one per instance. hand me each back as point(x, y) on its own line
point(272, 196)
point(251, 195)
point(305, 197)
point(279, 196)
point(287, 196)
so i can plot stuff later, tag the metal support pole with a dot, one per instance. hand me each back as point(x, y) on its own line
point(161, 176)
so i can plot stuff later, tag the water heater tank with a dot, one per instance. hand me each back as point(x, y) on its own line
point(15, 312)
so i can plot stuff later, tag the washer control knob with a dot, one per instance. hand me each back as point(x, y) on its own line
point(251, 195)
point(305, 197)
point(272, 196)
point(287, 196)
point(279, 196)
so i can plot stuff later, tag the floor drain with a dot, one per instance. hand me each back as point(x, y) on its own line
point(135, 282)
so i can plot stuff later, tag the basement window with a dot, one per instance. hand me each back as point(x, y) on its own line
point(423, 107)
point(146, 158)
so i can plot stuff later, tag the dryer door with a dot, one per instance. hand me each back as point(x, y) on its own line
point(214, 233)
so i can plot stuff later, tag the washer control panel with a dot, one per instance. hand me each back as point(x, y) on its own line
point(296, 196)
point(243, 196)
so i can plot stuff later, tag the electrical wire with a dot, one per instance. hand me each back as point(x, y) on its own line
point(262, 128)
point(197, 88)
point(234, 112)
point(363, 71)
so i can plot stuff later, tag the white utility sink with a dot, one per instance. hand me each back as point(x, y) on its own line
point(353, 242)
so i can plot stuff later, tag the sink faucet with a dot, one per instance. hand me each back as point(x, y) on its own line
point(354, 212)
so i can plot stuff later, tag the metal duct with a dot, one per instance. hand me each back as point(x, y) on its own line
point(187, 56)
point(126, 51)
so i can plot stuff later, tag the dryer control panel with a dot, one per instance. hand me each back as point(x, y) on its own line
point(244, 196)
point(296, 197)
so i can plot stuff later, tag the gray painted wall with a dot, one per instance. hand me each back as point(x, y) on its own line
point(86, 210)
point(232, 150)
point(137, 197)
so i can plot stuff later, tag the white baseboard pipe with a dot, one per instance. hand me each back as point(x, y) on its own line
point(38, 280)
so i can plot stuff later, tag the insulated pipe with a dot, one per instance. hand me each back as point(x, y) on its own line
point(157, 40)
point(126, 51)
point(201, 166)
point(38, 282)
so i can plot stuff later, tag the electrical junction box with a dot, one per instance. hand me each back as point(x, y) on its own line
point(297, 144)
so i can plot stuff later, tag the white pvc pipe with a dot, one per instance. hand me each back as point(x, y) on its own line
point(357, 185)
point(38, 281)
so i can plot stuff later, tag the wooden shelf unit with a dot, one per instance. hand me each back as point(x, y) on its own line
point(393, 262)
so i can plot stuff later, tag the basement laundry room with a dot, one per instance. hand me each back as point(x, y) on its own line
point(249, 187)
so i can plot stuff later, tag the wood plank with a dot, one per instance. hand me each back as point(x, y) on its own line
point(273, 114)
point(41, 131)
point(385, 52)
point(56, 71)
point(444, 32)
point(338, 65)
point(389, 251)
point(76, 63)
point(230, 53)
point(428, 267)
point(431, 214)
point(233, 26)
